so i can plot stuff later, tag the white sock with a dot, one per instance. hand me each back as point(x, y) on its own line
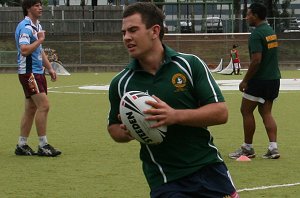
point(273, 145)
point(247, 146)
point(42, 141)
point(22, 141)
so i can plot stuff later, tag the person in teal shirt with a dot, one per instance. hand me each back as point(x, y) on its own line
point(260, 84)
point(187, 163)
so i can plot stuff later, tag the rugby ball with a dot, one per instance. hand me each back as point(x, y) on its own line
point(132, 106)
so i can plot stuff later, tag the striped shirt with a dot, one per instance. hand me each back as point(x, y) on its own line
point(26, 33)
point(183, 82)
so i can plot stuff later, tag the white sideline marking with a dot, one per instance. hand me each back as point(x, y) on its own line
point(285, 84)
point(267, 187)
point(63, 87)
point(225, 85)
point(95, 87)
point(75, 92)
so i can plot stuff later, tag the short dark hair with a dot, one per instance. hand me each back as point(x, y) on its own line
point(26, 4)
point(150, 13)
point(259, 10)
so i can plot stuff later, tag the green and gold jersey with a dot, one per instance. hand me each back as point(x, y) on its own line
point(183, 82)
point(263, 39)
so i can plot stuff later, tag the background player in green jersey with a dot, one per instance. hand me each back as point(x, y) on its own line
point(260, 84)
point(187, 163)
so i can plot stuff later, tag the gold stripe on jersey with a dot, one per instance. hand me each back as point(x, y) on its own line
point(272, 45)
point(271, 38)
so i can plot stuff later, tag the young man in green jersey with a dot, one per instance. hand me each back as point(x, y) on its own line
point(187, 163)
point(260, 84)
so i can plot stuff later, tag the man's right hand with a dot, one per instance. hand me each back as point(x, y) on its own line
point(41, 35)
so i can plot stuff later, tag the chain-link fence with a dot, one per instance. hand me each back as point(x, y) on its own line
point(107, 20)
point(78, 45)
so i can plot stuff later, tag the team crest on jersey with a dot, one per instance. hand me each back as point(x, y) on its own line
point(179, 81)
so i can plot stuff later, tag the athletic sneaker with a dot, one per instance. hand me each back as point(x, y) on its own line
point(48, 151)
point(271, 154)
point(242, 151)
point(24, 150)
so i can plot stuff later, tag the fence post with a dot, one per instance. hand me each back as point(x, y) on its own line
point(79, 41)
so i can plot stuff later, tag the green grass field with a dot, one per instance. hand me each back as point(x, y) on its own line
point(94, 166)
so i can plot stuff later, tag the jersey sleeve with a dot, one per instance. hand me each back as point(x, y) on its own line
point(255, 43)
point(24, 38)
point(114, 100)
point(205, 87)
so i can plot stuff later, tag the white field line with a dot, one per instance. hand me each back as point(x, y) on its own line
point(286, 86)
point(104, 93)
point(268, 187)
point(54, 90)
point(63, 87)
point(236, 92)
point(76, 92)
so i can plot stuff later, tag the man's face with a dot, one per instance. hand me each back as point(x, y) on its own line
point(35, 10)
point(136, 37)
point(251, 18)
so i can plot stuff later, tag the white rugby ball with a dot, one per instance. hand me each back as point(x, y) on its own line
point(132, 106)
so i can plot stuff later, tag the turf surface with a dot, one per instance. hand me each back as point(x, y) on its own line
point(94, 166)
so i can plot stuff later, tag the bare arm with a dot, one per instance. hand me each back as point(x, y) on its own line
point(119, 133)
point(28, 49)
point(208, 115)
point(47, 64)
point(253, 67)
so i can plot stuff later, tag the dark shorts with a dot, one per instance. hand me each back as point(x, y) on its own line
point(33, 84)
point(266, 89)
point(211, 181)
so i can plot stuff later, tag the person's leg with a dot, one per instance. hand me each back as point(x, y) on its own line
point(234, 69)
point(42, 105)
point(247, 109)
point(239, 69)
point(246, 149)
point(22, 147)
point(265, 111)
point(27, 118)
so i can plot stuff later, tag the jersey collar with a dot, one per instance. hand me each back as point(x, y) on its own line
point(262, 23)
point(36, 27)
point(169, 53)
